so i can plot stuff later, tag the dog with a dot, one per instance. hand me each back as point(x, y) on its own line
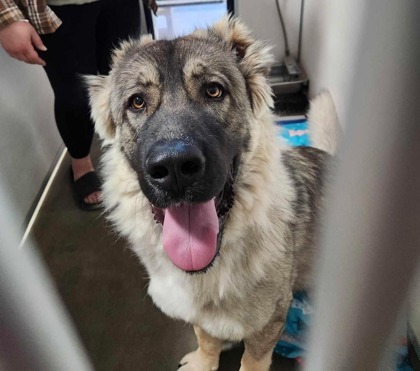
point(223, 216)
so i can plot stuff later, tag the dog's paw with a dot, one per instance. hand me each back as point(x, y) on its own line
point(196, 361)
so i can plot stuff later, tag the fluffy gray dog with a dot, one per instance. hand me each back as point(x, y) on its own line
point(222, 215)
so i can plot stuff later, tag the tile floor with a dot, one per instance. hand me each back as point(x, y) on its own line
point(103, 287)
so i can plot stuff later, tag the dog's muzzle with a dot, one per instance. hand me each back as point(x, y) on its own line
point(193, 195)
point(175, 165)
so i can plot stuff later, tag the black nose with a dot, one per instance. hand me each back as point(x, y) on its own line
point(174, 165)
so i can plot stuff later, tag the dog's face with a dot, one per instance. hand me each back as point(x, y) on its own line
point(182, 105)
point(182, 113)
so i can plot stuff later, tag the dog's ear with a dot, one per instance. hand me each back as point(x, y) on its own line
point(100, 106)
point(254, 57)
point(126, 46)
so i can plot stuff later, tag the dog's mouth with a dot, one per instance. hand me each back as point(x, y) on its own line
point(192, 232)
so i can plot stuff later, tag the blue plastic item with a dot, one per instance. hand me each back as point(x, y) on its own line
point(292, 342)
point(295, 133)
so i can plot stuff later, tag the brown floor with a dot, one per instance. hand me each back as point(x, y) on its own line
point(103, 286)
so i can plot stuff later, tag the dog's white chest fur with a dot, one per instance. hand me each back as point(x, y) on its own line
point(178, 299)
point(174, 299)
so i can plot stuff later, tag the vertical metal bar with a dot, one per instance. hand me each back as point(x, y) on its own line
point(35, 332)
point(302, 7)
point(371, 244)
point(149, 20)
point(230, 6)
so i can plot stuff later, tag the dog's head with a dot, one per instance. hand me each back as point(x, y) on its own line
point(182, 112)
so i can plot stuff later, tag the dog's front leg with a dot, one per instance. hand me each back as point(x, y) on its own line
point(259, 347)
point(206, 357)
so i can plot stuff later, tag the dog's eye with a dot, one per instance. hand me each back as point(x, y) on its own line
point(137, 103)
point(214, 91)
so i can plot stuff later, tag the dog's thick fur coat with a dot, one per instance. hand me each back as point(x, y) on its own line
point(266, 250)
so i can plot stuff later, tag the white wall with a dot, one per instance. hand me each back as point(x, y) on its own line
point(29, 140)
point(262, 18)
point(332, 44)
point(351, 45)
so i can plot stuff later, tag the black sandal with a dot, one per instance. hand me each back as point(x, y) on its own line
point(83, 187)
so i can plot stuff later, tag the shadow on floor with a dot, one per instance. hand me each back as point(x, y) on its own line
point(103, 286)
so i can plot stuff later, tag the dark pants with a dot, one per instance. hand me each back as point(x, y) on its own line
point(82, 45)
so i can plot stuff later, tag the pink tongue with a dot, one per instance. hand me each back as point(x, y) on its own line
point(190, 235)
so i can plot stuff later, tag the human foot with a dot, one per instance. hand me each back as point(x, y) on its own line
point(81, 167)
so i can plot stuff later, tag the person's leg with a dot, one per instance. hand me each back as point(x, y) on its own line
point(118, 20)
point(72, 53)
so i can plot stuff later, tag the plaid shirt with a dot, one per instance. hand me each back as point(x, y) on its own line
point(36, 11)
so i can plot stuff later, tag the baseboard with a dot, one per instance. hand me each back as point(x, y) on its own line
point(42, 193)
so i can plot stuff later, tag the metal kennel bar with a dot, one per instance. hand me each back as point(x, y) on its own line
point(371, 243)
point(35, 331)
